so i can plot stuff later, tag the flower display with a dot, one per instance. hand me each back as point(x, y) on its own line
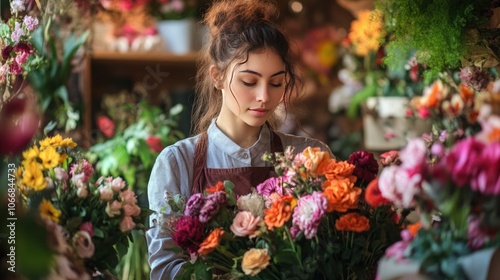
point(454, 191)
point(88, 218)
point(312, 221)
point(364, 73)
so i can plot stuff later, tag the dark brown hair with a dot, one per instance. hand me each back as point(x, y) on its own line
point(237, 28)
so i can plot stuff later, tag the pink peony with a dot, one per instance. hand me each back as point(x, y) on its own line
point(463, 159)
point(309, 212)
point(188, 233)
point(487, 178)
point(396, 184)
point(244, 224)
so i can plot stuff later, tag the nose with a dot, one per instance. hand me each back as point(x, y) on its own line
point(262, 94)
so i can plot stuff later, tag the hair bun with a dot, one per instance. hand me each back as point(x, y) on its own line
point(232, 16)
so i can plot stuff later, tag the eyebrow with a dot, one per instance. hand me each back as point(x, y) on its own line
point(260, 75)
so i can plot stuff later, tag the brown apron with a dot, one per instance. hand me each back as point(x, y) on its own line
point(243, 178)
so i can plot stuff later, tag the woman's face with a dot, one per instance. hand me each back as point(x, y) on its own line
point(251, 91)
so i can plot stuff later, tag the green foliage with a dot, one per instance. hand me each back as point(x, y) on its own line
point(437, 29)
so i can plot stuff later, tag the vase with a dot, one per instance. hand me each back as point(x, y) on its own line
point(385, 125)
point(177, 35)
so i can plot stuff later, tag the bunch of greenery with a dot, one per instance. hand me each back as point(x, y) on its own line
point(445, 33)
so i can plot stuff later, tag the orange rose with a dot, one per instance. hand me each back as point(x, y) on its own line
point(352, 222)
point(433, 95)
point(211, 241)
point(337, 170)
point(216, 188)
point(313, 157)
point(341, 195)
point(254, 261)
point(279, 212)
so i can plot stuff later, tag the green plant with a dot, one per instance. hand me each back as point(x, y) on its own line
point(445, 33)
point(173, 9)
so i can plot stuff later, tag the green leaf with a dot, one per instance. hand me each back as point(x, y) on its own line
point(98, 232)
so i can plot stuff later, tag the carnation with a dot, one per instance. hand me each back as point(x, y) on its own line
point(188, 233)
point(309, 212)
point(212, 205)
point(366, 166)
point(194, 205)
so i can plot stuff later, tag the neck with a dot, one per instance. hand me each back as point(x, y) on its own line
point(245, 136)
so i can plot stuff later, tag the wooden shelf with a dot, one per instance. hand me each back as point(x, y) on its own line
point(110, 72)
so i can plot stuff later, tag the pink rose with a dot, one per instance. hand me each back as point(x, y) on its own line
point(487, 179)
point(113, 209)
point(128, 197)
point(78, 180)
point(88, 227)
point(82, 242)
point(105, 192)
point(244, 224)
point(117, 184)
point(131, 210)
point(127, 224)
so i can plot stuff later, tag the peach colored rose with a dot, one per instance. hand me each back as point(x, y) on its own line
point(254, 261)
point(211, 241)
point(352, 222)
point(117, 184)
point(82, 242)
point(105, 192)
point(128, 197)
point(131, 210)
point(127, 224)
point(113, 209)
point(244, 224)
point(311, 158)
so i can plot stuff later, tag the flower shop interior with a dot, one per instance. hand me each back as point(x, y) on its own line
point(407, 91)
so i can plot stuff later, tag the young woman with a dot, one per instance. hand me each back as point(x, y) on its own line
point(245, 75)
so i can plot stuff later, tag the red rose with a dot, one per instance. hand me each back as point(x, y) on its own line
point(366, 166)
point(106, 126)
point(154, 143)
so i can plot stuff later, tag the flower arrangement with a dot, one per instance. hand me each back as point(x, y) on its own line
point(453, 102)
point(364, 73)
point(89, 223)
point(173, 9)
point(454, 192)
point(312, 221)
point(15, 37)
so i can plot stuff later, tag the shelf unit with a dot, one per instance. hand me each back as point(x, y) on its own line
point(107, 72)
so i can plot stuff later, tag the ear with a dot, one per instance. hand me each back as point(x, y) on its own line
point(216, 77)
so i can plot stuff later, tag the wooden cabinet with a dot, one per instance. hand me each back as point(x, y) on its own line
point(108, 72)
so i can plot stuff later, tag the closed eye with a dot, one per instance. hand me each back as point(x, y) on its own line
point(277, 85)
point(248, 84)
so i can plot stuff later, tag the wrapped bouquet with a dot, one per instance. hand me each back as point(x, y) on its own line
point(312, 221)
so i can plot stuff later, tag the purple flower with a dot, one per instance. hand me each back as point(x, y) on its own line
point(212, 205)
point(309, 212)
point(16, 6)
point(366, 166)
point(463, 159)
point(17, 33)
point(487, 179)
point(194, 204)
point(31, 23)
point(268, 187)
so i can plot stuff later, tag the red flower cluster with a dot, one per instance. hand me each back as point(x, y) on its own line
point(188, 233)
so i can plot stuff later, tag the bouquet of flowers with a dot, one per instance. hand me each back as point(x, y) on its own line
point(455, 194)
point(89, 223)
point(312, 221)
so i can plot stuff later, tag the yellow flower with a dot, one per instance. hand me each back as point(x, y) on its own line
point(50, 157)
point(33, 176)
point(51, 141)
point(62, 158)
point(68, 142)
point(328, 55)
point(31, 154)
point(366, 32)
point(254, 261)
point(48, 211)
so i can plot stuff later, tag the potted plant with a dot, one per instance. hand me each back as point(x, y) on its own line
point(175, 23)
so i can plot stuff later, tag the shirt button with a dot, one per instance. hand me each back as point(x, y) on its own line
point(244, 155)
